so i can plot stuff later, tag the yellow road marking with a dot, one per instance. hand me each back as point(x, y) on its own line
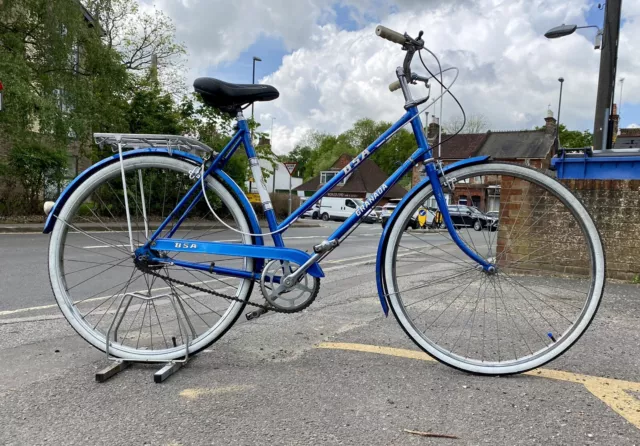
point(196, 393)
point(612, 392)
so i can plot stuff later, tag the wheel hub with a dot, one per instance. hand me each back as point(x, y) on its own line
point(143, 260)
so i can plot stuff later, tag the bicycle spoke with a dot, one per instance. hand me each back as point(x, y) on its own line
point(513, 315)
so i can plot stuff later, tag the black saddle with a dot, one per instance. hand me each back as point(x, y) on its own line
point(228, 97)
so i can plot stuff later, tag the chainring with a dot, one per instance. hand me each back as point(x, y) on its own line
point(287, 299)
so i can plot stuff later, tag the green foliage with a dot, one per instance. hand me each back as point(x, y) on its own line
point(319, 151)
point(153, 111)
point(60, 80)
point(35, 167)
point(573, 138)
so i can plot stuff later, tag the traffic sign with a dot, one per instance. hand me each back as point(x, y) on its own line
point(291, 167)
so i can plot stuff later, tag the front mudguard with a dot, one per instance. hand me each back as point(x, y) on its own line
point(382, 245)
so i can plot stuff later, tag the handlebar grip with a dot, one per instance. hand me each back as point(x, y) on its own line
point(393, 86)
point(391, 35)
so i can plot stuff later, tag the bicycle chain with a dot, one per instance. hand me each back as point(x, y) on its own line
point(267, 307)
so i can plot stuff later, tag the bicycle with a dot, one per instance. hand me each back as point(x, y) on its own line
point(161, 288)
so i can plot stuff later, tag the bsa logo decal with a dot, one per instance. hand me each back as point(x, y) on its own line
point(181, 245)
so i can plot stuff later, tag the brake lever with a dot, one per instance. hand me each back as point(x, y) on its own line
point(410, 46)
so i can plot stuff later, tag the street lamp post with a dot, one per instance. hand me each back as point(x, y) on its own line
point(275, 169)
point(253, 81)
point(608, 63)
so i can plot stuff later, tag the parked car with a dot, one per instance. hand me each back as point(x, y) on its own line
point(335, 208)
point(313, 212)
point(388, 209)
point(469, 216)
point(378, 211)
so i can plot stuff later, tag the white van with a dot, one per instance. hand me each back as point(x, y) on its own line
point(334, 208)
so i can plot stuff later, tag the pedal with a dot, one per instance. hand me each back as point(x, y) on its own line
point(255, 314)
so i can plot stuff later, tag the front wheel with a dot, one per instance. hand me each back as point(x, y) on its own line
point(541, 296)
point(117, 302)
point(325, 217)
point(477, 225)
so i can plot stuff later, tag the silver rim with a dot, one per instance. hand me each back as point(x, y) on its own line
point(540, 301)
point(96, 304)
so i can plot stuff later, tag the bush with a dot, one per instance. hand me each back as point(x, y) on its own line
point(34, 167)
point(280, 203)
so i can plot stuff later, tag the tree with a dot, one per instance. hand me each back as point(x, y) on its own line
point(302, 156)
point(35, 166)
point(141, 39)
point(318, 151)
point(573, 138)
point(152, 111)
point(59, 79)
point(475, 123)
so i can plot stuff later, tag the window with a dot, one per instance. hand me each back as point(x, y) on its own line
point(350, 204)
point(432, 204)
point(462, 199)
point(327, 175)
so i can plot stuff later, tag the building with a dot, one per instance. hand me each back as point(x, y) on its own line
point(278, 182)
point(276, 179)
point(628, 139)
point(359, 183)
point(529, 147)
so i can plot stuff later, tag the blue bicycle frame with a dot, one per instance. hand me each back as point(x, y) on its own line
point(308, 263)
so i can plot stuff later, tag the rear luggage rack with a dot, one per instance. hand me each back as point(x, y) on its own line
point(142, 141)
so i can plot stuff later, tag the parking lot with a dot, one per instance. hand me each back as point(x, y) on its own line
point(336, 373)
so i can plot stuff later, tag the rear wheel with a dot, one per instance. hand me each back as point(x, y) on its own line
point(325, 217)
point(544, 292)
point(477, 225)
point(105, 294)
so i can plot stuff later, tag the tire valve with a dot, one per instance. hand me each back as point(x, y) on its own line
point(551, 336)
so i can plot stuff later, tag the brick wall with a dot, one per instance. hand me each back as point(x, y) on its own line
point(614, 206)
point(538, 232)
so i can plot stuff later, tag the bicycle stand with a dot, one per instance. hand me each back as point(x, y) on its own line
point(119, 365)
point(170, 367)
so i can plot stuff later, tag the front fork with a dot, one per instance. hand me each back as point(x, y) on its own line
point(434, 178)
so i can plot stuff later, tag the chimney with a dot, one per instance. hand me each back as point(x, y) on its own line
point(615, 117)
point(432, 130)
point(550, 123)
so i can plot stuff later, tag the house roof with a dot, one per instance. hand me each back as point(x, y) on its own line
point(517, 144)
point(365, 179)
point(461, 146)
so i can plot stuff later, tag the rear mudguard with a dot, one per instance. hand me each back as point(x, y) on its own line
point(382, 246)
point(221, 176)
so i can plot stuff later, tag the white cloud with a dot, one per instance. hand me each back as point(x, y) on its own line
point(633, 126)
point(508, 69)
point(333, 77)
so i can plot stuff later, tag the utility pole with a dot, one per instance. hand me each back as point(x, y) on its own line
point(607, 77)
point(275, 169)
point(561, 80)
point(620, 101)
point(253, 81)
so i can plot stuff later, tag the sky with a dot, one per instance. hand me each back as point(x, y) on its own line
point(331, 69)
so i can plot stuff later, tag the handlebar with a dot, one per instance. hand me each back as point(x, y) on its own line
point(409, 45)
point(391, 35)
point(393, 86)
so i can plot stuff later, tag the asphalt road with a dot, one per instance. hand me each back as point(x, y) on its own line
point(336, 373)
